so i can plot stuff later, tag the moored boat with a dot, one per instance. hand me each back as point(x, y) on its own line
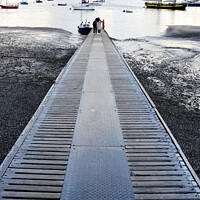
point(128, 11)
point(62, 4)
point(95, 4)
point(99, 1)
point(24, 3)
point(10, 6)
point(85, 2)
point(83, 7)
point(84, 28)
point(165, 5)
point(194, 4)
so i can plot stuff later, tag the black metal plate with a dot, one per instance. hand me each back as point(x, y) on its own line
point(97, 173)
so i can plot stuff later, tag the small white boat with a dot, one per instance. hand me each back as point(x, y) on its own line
point(95, 4)
point(99, 1)
point(9, 6)
point(84, 28)
point(83, 7)
point(62, 4)
point(128, 11)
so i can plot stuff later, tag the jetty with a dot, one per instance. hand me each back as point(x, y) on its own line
point(97, 135)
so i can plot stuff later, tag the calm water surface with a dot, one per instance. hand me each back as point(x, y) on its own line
point(142, 22)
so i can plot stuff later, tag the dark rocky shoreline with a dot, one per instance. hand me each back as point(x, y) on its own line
point(31, 60)
point(28, 68)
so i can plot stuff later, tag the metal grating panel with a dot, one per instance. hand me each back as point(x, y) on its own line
point(98, 122)
point(97, 173)
point(97, 81)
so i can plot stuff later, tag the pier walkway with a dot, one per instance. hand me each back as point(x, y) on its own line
point(97, 135)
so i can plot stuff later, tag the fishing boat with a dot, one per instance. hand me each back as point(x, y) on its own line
point(84, 28)
point(166, 5)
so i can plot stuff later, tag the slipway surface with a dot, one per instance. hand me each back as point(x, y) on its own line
point(97, 135)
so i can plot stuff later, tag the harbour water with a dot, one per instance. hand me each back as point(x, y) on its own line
point(142, 22)
point(161, 46)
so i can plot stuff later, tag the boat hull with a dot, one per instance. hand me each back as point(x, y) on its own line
point(23, 3)
point(95, 4)
point(84, 30)
point(9, 6)
point(166, 6)
point(195, 4)
point(62, 4)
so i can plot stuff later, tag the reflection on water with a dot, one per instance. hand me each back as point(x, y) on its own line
point(142, 22)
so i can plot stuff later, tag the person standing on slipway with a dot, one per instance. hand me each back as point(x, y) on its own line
point(94, 26)
point(98, 21)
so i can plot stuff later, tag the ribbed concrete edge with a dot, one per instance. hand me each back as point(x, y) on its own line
point(193, 173)
point(5, 164)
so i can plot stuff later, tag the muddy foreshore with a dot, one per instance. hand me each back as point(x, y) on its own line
point(30, 62)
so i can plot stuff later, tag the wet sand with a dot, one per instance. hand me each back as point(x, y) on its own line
point(31, 61)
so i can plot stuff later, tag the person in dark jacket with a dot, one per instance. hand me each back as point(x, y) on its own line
point(94, 26)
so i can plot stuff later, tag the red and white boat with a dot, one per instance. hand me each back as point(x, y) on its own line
point(10, 6)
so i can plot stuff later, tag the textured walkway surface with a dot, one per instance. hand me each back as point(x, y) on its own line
point(97, 135)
